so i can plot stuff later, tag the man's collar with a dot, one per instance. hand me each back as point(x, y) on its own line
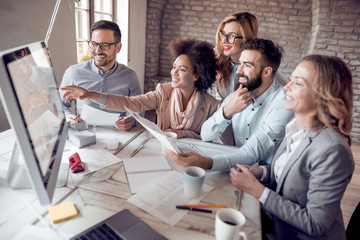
point(99, 71)
point(259, 100)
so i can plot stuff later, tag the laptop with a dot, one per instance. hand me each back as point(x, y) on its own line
point(122, 225)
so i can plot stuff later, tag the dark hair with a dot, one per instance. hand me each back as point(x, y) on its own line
point(202, 58)
point(104, 24)
point(271, 53)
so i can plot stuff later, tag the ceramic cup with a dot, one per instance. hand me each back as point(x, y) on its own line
point(172, 137)
point(193, 181)
point(229, 224)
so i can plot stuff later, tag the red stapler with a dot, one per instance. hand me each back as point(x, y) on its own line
point(75, 163)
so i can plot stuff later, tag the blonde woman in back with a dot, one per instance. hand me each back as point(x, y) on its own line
point(232, 31)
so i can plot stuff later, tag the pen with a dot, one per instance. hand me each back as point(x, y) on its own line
point(77, 116)
point(194, 209)
point(205, 205)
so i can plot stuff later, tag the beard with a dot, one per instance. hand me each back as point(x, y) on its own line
point(108, 58)
point(251, 84)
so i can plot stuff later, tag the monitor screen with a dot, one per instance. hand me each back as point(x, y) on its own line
point(33, 105)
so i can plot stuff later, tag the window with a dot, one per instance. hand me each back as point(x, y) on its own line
point(82, 26)
point(89, 11)
point(103, 10)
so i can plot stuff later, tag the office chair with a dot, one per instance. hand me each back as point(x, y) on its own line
point(353, 230)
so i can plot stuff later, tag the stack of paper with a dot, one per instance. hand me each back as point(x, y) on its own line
point(160, 197)
point(144, 169)
point(97, 117)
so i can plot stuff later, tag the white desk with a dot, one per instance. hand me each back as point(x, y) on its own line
point(103, 193)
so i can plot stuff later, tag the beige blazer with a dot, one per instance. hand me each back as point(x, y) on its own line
point(160, 100)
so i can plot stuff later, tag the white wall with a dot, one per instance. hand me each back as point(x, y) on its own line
point(24, 21)
point(122, 13)
point(131, 17)
point(137, 38)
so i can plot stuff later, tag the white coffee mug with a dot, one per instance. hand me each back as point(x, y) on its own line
point(229, 224)
point(193, 181)
point(172, 137)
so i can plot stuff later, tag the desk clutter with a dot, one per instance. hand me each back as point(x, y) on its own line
point(79, 126)
point(156, 198)
point(141, 170)
point(160, 197)
point(61, 212)
point(75, 163)
point(81, 138)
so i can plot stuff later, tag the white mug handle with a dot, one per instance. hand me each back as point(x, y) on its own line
point(243, 235)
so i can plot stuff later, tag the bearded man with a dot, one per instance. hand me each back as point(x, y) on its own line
point(255, 111)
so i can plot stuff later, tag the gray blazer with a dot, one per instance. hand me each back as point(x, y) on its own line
point(305, 203)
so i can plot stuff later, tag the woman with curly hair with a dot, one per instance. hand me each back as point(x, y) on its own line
point(182, 105)
point(314, 164)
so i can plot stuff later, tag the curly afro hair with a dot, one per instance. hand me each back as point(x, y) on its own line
point(202, 58)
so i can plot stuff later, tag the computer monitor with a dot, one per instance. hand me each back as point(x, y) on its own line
point(32, 102)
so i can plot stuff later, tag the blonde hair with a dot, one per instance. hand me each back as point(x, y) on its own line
point(249, 25)
point(333, 86)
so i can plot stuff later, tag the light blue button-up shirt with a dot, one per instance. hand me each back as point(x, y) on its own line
point(119, 80)
point(258, 129)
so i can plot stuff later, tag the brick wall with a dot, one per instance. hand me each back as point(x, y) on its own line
point(302, 27)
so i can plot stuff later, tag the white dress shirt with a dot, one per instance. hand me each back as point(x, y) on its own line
point(257, 129)
point(293, 140)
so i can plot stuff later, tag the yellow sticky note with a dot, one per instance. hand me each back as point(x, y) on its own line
point(62, 212)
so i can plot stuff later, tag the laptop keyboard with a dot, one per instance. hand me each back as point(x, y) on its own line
point(101, 232)
point(122, 225)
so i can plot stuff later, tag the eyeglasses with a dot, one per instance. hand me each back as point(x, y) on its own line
point(230, 38)
point(103, 46)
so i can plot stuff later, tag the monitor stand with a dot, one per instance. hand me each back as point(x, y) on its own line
point(17, 175)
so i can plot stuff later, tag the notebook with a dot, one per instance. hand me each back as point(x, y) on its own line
point(143, 169)
point(122, 225)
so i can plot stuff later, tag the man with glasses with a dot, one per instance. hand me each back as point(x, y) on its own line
point(102, 73)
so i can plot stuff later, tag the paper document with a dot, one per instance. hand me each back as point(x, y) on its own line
point(144, 169)
point(160, 197)
point(146, 164)
point(40, 233)
point(155, 131)
point(94, 116)
point(93, 157)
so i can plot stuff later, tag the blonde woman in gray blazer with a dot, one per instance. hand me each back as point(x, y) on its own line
point(314, 164)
